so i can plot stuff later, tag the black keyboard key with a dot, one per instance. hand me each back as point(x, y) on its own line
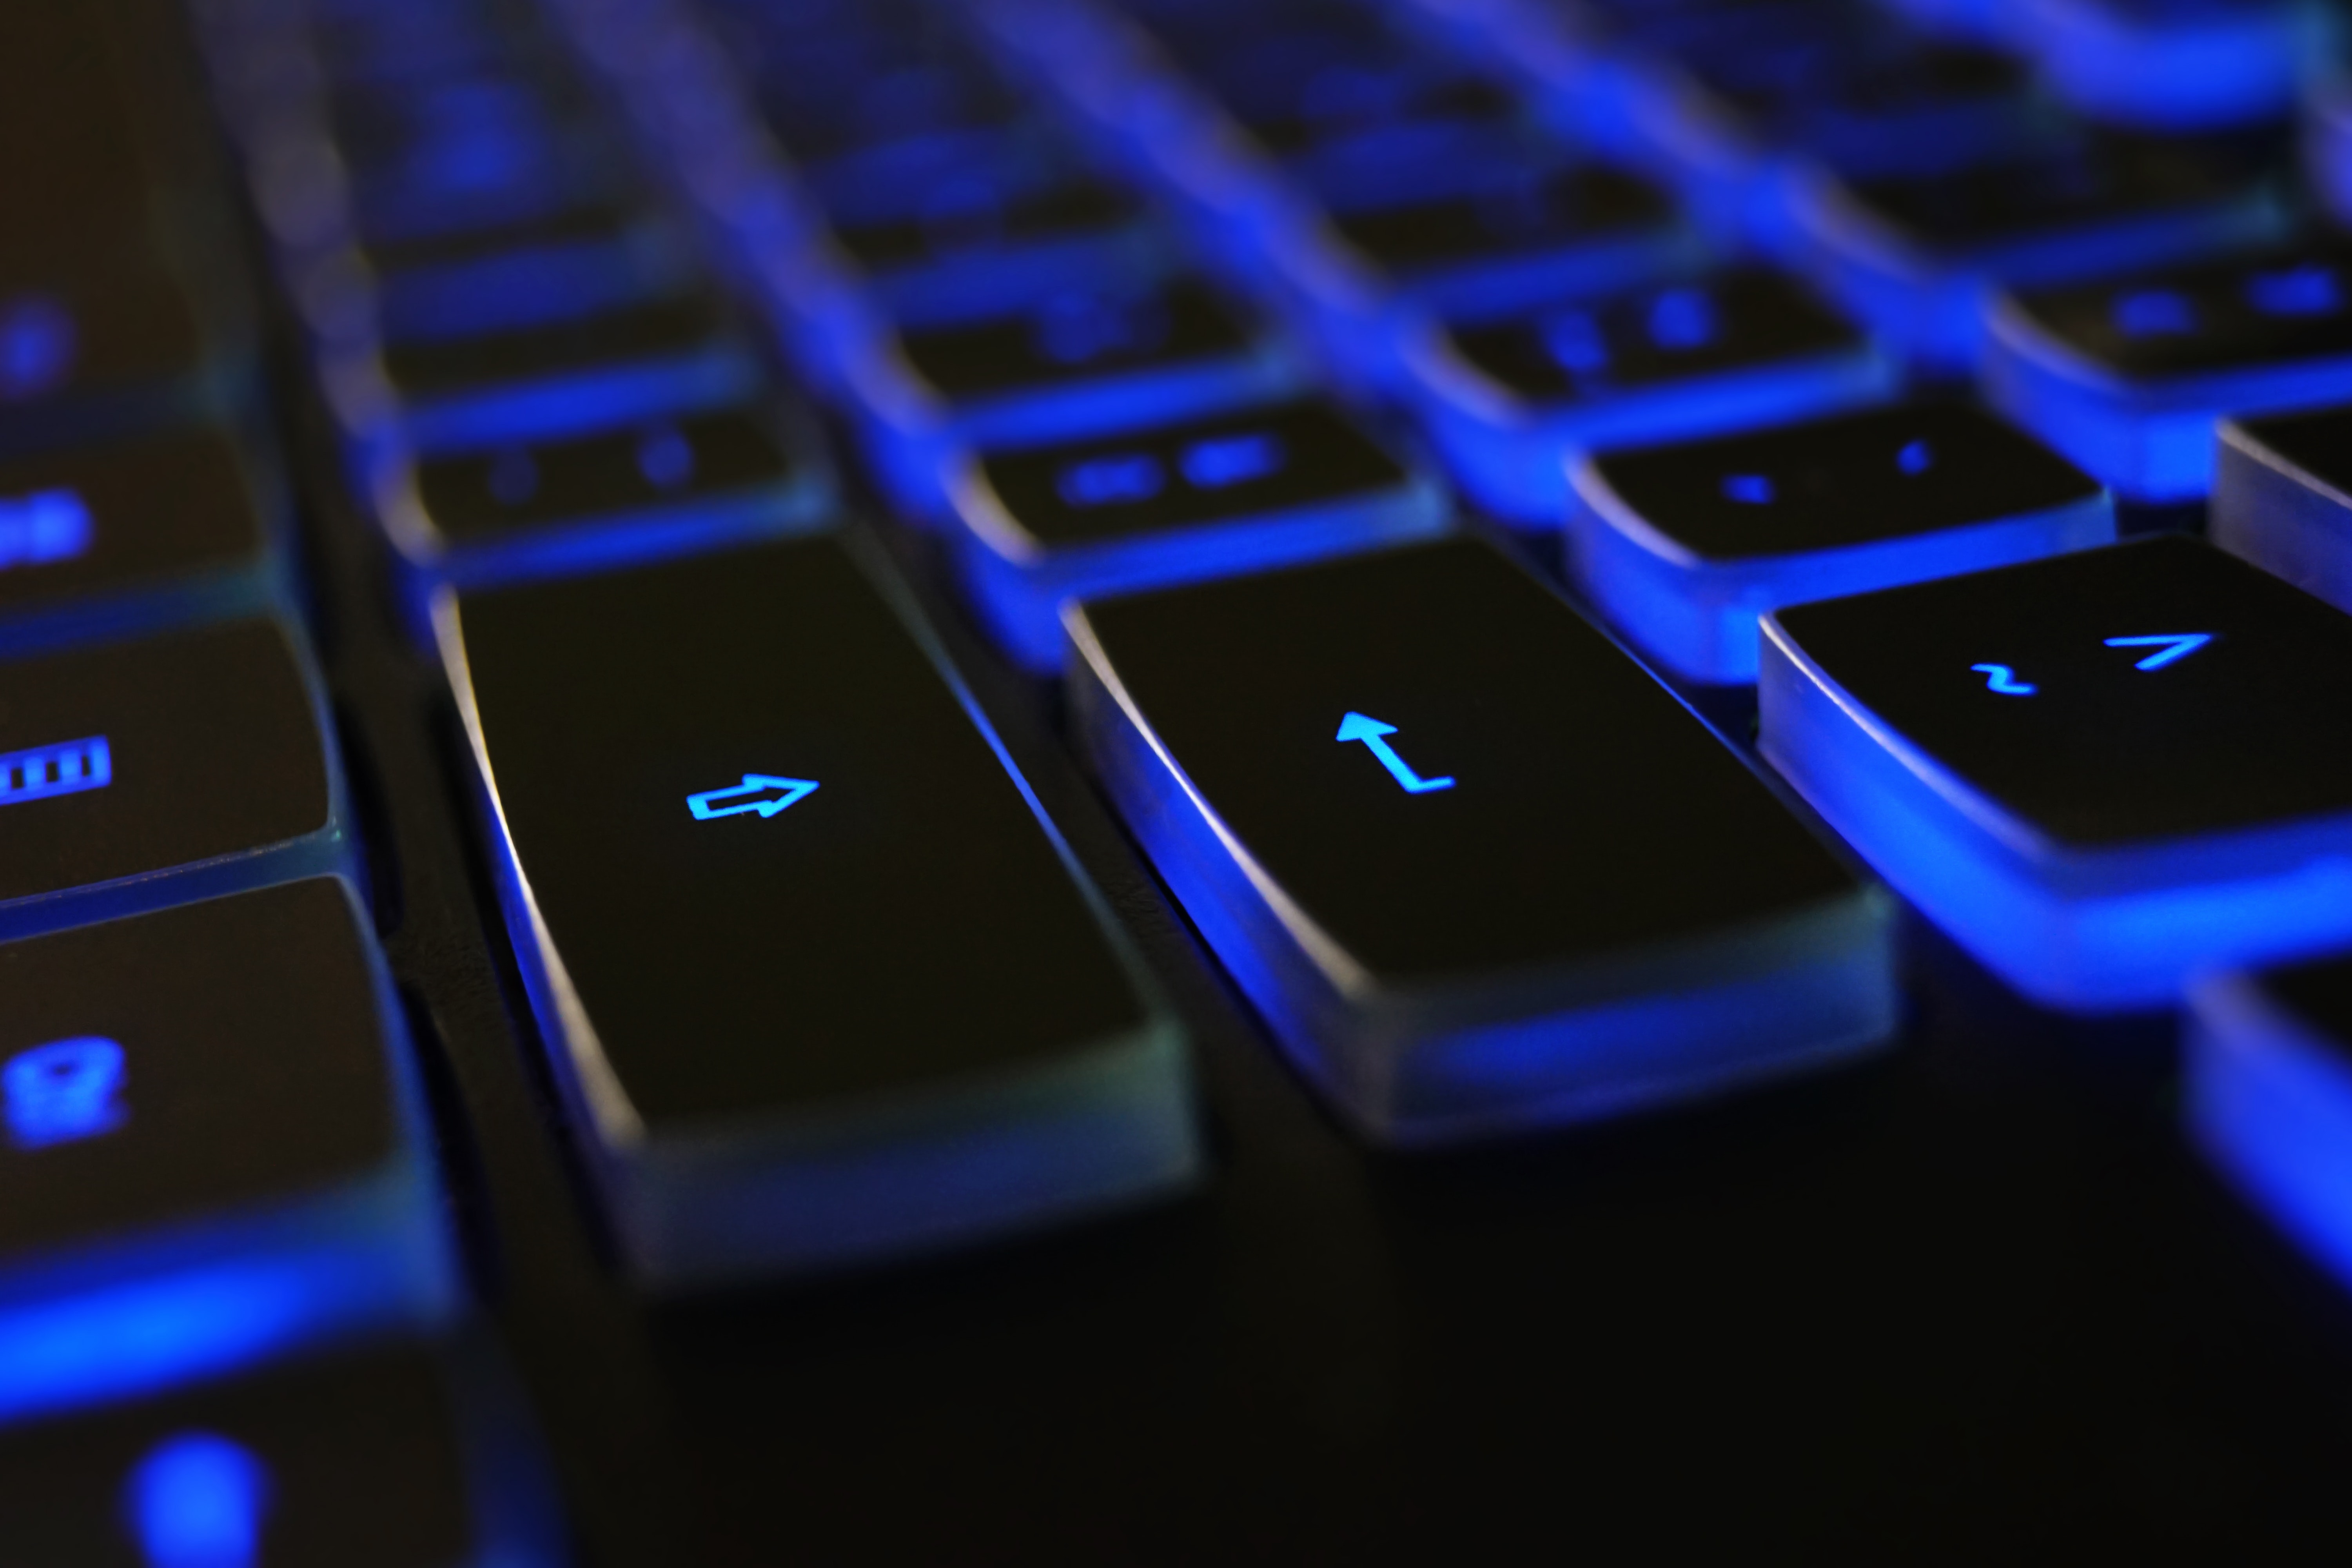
point(655, 487)
point(642, 360)
point(1684, 545)
point(821, 984)
point(979, 244)
point(1040, 526)
point(151, 773)
point(143, 532)
point(2282, 499)
point(2098, 770)
point(362, 1461)
point(1508, 402)
point(1914, 256)
point(1080, 362)
point(1475, 868)
point(93, 344)
point(2267, 1094)
point(2129, 377)
point(214, 1146)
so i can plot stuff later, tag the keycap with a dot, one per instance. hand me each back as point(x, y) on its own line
point(2282, 499)
point(135, 533)
point(1477, 870)
point(360, 1460)
point(175, 767)
point(2129, 377)
point(92, 343)
point(564, 503)
point(2267, 1095)
point(1683, 545)
point(1916, 255)
point(821, 984)
point(1040, 526)
point(2174, 65)
point(2096, 772)
point(214, 1144)
point(1080, 362)
point(1508, 401)
point(644, 359)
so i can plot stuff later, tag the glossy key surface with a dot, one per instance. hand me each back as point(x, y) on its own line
point(1684, 544)
point(2282, 497)
point(1203, 498)
point(787, 899)
point(1461, 850)
point(2095, 768)
point(196, 751)
point(206, 1121)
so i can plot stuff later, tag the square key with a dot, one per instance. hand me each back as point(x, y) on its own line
point(1511, 403)
point(1479, 872)
point(2282, 497)
point(2098, 771)
point(1081, 362)
point(150, 772)
point(140, 533)
point(663, 485)
point(2267, 1094)
point(1684, 545)
point(405, 1457)
point(2129, 377)
point(214, 1145)
point(1039, 526)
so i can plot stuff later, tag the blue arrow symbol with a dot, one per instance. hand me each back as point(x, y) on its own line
point(707, 805)
point(2176, 646)
point(1356, 727)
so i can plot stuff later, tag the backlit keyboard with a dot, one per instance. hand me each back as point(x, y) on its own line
point(1172, 781)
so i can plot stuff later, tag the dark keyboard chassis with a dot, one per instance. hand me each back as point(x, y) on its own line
point(1975, 1298)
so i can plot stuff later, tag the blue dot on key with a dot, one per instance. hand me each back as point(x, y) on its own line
point(1749, 489)
point(198, 1501)
point(62, 1091)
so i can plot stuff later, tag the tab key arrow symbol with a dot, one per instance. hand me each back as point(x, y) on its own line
point(740, 798)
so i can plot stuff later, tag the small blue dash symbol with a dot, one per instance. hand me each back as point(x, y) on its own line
point(758, 791)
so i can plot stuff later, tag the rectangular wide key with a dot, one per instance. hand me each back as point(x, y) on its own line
point(152, 773)
point(1038, 527)
point(398, 1457)
point(821, 983)
point(138, 532)
point(1684, 545)
point(214, 1144)
point(2098, 771)
point(1476, 867)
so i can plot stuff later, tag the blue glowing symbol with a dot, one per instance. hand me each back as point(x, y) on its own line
point(2169, 650)
point(68, 768)
point(1224, 461)
point(1917, 457)
point(1576, 342)
point(36, 345)
point(2001, 679)
point(1747, 489)
point(1103, 481)
point(198, 1501)
point(1683, 320)
point(2153, 313)
point(1370, 731)
point(65, 1090)
point(514, 478)
point(1079, 329)
point(666, 460)
point(46, 526)
point(2310, 289)
point(746, 796)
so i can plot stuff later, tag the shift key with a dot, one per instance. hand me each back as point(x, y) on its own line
point(821, 983)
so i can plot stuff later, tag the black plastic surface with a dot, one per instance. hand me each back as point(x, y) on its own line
point(159, 508)
point(1074, 336)
point(2240, 312)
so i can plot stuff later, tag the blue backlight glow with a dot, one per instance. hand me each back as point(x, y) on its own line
point(1374, 736)
point(38, 345)
point(1226, 460)
point(70, 767)
point(2154, 313)
point(2001, 679)
point(1747, 489)
point(1683, 320)
point(1078, 328)
point(198, 1501)
point(2171, 650)
point(666, 459)
point(44, 527)
point(1916, 457)
point(1107, 481)
point(62, 1091)
point(759, 792)
point(2310, 289)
